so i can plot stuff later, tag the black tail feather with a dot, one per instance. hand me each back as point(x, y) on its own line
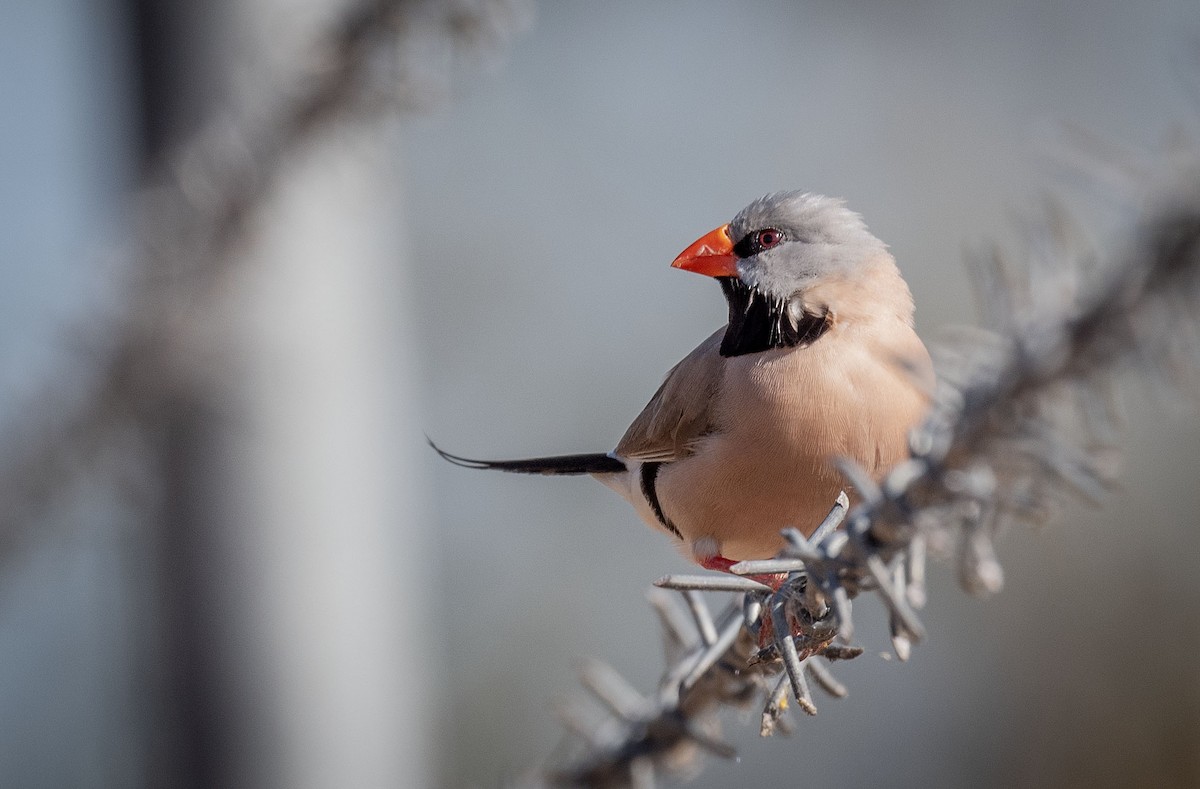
point(593, 463)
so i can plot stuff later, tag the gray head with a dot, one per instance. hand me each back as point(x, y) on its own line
point(769, 258)
point(787, 241)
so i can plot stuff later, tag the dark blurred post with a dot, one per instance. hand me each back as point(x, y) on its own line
point(186, 714)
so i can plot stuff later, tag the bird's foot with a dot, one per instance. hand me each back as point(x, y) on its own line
point(722, 564)
point(808, 642)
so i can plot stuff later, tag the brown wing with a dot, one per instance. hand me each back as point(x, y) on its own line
point(681, 410)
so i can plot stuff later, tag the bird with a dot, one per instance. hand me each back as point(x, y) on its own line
point(817, 364)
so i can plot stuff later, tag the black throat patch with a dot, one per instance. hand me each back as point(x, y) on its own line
point(758, 322)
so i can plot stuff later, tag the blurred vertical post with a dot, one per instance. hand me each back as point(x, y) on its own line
point(288, 547)
point(331, 491)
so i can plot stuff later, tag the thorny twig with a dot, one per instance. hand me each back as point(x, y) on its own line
point(1020, 416)
point(372, 60)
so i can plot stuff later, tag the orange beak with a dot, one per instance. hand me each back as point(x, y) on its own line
point(711, 256)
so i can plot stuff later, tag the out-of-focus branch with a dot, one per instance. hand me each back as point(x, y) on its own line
point(1022, 416)
point(188, 222)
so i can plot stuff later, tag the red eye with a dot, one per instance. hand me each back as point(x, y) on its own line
point(768, 238)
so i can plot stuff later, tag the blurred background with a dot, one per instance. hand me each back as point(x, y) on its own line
point(249, 570)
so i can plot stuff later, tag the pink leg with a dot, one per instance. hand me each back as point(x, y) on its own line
point(717, 562)
point(722, 565)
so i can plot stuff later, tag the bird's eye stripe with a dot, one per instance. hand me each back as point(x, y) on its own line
point(757, 240)
point(745, 248)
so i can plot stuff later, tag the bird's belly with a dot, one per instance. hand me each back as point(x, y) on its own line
point(737, 507)
point(759, 475)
